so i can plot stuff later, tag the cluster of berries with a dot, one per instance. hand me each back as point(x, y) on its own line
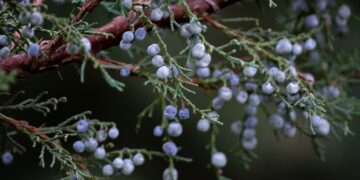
point(27, 22)
point(92, 145)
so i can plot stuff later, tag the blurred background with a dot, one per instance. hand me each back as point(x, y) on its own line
point(284, 159)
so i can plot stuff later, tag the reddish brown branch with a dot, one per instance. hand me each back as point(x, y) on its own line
point(117, 27)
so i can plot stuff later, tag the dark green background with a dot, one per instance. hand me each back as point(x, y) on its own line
point(288, 159)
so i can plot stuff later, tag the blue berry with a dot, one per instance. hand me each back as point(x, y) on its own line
point(185, 30)
point(283, 46)
point(184, 113)
point(225, 93)
point(158, 131)
point(170, 112)
point(203, 72)
point(341, 22)
point(299, 6)
point(163, 72)
point(217, 103)
point(204, 61)
point(344, 11)
point(128, 36)
point(250, 122)
point(251, 86)
point(128, 167)
point(276, 121)
point(249, 71)
point(310, 44)
point(86, 44)
point(101, 136)
point(250, 110)
point(195, 27)
point(118, 163)
point(156, 14)
point(288, 130)
point(113, 133)
point(24, 18)
point(79, 146)
point(175, 129)
point(311, 21)
point(216, 73)
point(33, 50)
point(4, 52)
point(234, 80)
point(91, 144)
point(36, 19)
point(268, 88)
point(82, 125)
point(242, 97)
point(254, 100)
point(293, 71)
point(323, 128)
point(124, 45)
point(297, 49)
point(138, 159)
point(157, 61)
point(273, 71)
point(249, 133)
point(249, 144)
point(236, 127)
point(175, 71)
point(140, 34)
point(315, 121)
point(170, 148)
point(7, 158)
point(170, 174)
point(3, 40)
point(218, 159)
point(100, 153)
point(153, 49)
point(280, 77)
point(203, 125)
point(72, 48)
point(107, 170)
point(125, 71)
point(27, 32)
point(126, 4)
point(321, 4)
point(330, 92)
point(198, 51)
point(292, 88)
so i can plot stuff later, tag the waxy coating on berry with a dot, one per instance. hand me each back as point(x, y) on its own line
point(170, 148)
point(140, 34)
point(113, 133)
point(218, 159)
point(153, 49)
point(7, 158)
point(118, 163)
point(79, 146)
point(174, 129)
point(33, 50)
point(203, 125)
point(170, 112)
point(82, 125)
point(100, 153)
point(138, 159)
point(128, 36)
point(158, 131)
point(107, 170)
point(184, 113)
point(128, 167)
point(91, 144)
